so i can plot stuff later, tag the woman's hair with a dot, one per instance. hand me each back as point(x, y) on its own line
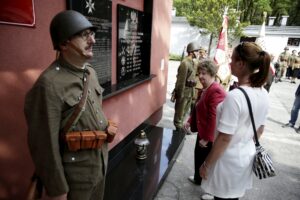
point(257, 60)
point(209, 66)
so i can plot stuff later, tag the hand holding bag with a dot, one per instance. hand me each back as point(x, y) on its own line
point(262, 164)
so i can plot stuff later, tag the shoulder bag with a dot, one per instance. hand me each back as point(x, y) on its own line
point(262, 164)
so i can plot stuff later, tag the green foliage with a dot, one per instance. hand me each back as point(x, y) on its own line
point(207, 14)
point(252, 11)
point(175, 57)
point(294, 19)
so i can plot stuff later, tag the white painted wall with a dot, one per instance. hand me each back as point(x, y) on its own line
point(182, 33)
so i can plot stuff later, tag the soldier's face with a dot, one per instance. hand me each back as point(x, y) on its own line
point(83, 42)
point(202, 54)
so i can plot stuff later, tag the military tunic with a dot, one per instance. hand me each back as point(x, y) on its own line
point(283, 62)
point(47, 107)
point(184, 92)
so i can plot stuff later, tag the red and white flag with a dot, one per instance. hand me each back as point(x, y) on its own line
point(221, 56)
point(260, 40)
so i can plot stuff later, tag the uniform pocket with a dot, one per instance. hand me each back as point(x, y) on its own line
point(81, 169)
point(99, 90)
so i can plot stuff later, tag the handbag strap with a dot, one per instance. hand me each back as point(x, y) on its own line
point(251, 115)
point(80, 106)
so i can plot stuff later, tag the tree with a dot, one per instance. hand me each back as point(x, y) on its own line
point(208, 15)
point(252, 11)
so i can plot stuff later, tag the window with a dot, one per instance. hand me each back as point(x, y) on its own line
point(293, 42)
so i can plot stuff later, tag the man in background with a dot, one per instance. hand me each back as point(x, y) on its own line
point(185, 84)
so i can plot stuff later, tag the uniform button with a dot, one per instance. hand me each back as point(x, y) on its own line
point(57, 68)
point(101, 121)
point(93, 101)
point(73, 158)
point(97, 111)
point(89, 91)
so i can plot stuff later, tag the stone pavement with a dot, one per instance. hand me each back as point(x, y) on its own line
point(282, 143)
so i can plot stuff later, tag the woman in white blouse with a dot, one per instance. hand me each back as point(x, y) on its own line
point(227, 170)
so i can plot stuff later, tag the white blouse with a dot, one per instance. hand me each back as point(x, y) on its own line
point(232, 173)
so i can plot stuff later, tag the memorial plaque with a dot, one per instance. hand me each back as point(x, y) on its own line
point(132, 62)
point(99, 13)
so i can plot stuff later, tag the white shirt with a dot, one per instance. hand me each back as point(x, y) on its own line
point(232, 173)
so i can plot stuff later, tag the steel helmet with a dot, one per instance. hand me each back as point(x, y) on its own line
point(286, 48)
point(66, 24)
point(193, 46)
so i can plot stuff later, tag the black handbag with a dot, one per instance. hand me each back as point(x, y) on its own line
point(262, 164)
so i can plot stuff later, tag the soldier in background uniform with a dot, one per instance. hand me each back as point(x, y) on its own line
point(199, 86)
point(66, 174)
point(202, 54)
point(283, 62)
point(185, 84)
point(294, 64)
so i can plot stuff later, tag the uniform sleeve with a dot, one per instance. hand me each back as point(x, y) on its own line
point(181, 79)
point(43, 114)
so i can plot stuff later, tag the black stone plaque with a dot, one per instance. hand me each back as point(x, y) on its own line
point(132, 60)
point(99, 13)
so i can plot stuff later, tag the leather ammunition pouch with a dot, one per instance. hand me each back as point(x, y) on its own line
point(81, 140)
point(190, 83)
point(111, 131)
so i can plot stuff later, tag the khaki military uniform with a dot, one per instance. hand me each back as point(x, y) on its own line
point(283, 62)
point(48, 105)
point(184, 90)
point(225, 83)
point(293, 63)
point(296, 66)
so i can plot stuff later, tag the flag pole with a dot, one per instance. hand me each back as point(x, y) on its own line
point(221, 55)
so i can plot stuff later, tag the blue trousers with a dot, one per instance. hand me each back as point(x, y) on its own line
point(295, 110)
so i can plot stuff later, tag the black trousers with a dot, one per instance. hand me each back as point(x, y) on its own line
point(200, 155)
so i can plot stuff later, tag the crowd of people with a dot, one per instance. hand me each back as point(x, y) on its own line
point(288, 65)
point(220, 118)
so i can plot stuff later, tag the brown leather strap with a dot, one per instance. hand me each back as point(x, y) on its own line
point(76, 113)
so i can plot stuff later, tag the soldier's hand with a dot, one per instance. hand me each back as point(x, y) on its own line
point(187, 126)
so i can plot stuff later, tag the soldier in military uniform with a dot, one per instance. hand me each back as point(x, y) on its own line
point(283, 62)
point(294, 63)
point(185, 84)
point(66, 174)
point(202, 54)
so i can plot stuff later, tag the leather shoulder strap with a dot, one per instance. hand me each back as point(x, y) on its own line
point(251, 115)
point(80, 106)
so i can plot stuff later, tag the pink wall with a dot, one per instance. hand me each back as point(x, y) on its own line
point(25, 52)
